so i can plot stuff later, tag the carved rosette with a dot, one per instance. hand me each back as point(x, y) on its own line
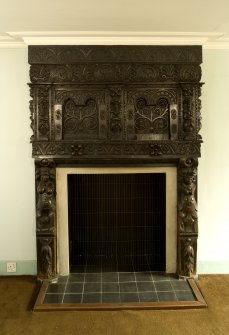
point(46, 218)
point(187, 216)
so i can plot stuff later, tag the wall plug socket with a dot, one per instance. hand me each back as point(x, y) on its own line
point(11, 267)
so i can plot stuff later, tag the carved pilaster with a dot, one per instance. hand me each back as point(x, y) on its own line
point(43, 122)
point(188, 108)
point(187, 216)
point(32, 113)
point(46, 218)
point(116, 117)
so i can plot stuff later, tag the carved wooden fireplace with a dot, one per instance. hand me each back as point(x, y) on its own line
point(118, 107)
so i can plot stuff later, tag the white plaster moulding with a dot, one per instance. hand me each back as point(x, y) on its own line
point(208, 40)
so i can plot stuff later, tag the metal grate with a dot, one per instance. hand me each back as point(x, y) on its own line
point(117, 220)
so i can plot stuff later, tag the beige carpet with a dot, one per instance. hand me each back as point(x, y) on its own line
point(17, 296)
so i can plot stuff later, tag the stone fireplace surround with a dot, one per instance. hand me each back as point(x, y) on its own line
point(62, 210)
point(115, 107)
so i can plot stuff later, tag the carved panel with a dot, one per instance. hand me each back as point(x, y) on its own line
point(152, 119)
point(80, 121)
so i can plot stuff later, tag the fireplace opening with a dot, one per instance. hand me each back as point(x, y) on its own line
point(117, 222)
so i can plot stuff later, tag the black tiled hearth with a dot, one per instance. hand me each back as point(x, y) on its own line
point(118, 287)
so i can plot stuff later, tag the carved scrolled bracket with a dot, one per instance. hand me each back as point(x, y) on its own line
point(45, 177)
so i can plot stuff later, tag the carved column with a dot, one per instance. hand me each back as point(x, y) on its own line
point(46, 218)
point(187, 217)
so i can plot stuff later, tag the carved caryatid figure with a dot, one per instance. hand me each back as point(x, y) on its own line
point(187, 206)
point(45, 200)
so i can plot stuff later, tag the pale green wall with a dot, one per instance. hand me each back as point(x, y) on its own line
point(213, 200)
point(17, 222)
point(17, 237)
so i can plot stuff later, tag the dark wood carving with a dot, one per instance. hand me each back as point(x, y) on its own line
point(187, 216)
point(116, 105)
point(110, 54)
point(46, 218)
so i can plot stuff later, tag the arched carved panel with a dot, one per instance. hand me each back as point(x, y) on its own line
point(151, 120)
point(80, 121)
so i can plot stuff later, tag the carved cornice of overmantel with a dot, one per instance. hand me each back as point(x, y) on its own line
point(119, 149)
point(157, 54)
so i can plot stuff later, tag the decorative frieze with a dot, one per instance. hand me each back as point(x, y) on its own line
point(67, 149)
point(125, 73)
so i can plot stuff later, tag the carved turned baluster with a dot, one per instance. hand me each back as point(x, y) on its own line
point(187, 217)
point(46, 218)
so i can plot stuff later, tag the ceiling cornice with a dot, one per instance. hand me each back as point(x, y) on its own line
point(22, 39)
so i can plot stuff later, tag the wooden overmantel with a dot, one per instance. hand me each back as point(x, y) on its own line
point(116, 105)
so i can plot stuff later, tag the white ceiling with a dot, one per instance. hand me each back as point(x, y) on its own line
point(203, 22)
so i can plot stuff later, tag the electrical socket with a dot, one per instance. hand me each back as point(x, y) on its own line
point(11, 267)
